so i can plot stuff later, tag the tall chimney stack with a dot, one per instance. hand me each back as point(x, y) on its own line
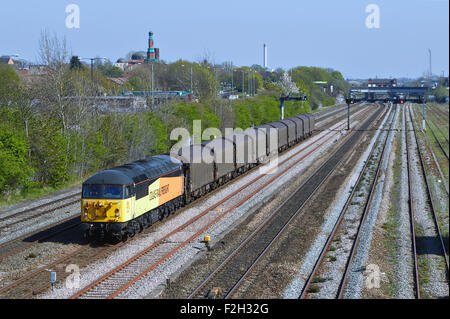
point(265, 56)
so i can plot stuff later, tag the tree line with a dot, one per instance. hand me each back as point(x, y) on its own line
point(49, 139)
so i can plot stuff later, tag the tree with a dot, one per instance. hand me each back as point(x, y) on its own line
point(75, 63)
point(15, 169)
point(441, 92)
point(287, 86)
point(9, 84)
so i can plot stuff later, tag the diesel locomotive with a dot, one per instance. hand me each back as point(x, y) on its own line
point(120, 202)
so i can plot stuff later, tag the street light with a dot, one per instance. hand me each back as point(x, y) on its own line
point(92, 65)
point(243, 81)
point(191, 78)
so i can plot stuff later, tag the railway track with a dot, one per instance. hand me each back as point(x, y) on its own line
point(18, 245)
point(127, 274)
point(438, 112)
point(435, 159)
point(30, 214)
point(28, 285)
point(442, 117)
point(375, 154)
point(415, 145)
point(26, 241)
point(38, 280)
point(412, 211)
point(234, 270)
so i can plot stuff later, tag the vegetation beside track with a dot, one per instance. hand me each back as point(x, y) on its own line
point(53, 137)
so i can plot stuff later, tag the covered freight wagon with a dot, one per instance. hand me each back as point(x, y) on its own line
point(199, 174)
point(298, 128)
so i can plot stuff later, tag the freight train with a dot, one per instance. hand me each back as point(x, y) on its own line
point(120, 202)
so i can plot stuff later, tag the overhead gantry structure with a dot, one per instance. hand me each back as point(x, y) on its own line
point(393, 94)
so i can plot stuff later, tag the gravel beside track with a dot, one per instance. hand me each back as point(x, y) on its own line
point(433, 271)
point(49, 250)
point(356, 276)
point(158, 277)
point(329, 277)
point(403, 271)
point(248, 249)
point(333, 272)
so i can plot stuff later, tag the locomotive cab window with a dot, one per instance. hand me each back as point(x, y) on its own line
point(103, 191)
point(128, 191)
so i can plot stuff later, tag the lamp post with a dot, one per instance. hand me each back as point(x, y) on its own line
point(153, 99)
point(215, 88)
point(253, 82)
point(243, 79)
point(191, 77)
point(92, 65)
point(232, 78)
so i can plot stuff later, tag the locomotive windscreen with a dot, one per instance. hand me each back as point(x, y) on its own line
point(103, 191)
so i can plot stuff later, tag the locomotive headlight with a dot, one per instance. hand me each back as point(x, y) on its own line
point(117, 212)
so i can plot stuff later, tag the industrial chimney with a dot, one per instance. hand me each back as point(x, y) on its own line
point(265, 56)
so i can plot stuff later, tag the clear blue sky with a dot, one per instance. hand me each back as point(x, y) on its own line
point(324, 33)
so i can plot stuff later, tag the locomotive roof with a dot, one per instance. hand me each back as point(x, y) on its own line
point(135, 172)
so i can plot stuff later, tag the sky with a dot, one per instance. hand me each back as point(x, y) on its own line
point(323, 33)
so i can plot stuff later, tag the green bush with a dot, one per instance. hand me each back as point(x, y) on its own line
point(15, 169)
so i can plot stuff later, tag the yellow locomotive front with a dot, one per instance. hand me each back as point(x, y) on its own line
point(106, 208)
point(106, 204)
point(122, 201)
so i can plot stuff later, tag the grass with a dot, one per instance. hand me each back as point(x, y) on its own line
point(442, 209)
point(434, 121)
point(319, 280)
point(313, 289)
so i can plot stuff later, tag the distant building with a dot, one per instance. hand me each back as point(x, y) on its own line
point(6, 59)
point(382, 82)
point(121, 63)
point(140, 57)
